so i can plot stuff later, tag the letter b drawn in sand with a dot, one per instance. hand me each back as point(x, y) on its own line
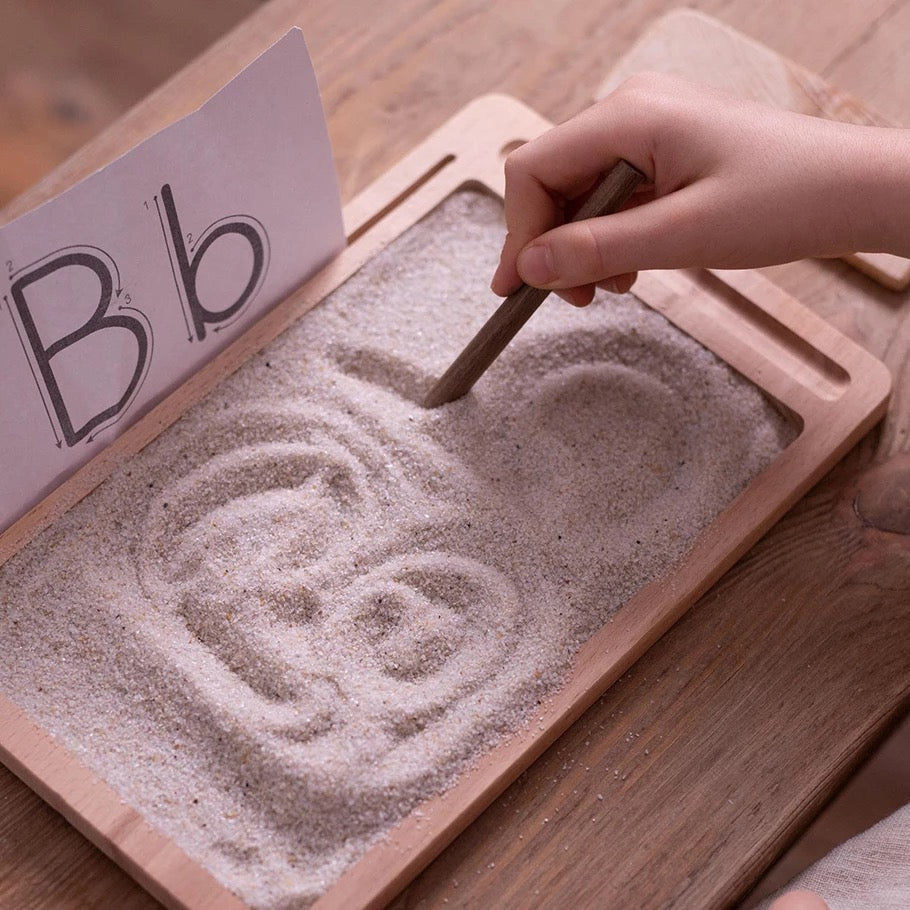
point(88, 369)
point(225, 269)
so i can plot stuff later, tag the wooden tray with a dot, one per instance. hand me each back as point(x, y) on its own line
point(835, 389)
point(697, 47)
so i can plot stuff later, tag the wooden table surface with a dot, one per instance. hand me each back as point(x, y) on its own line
point(693, 772)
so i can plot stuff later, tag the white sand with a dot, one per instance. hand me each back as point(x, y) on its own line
point(311, 603)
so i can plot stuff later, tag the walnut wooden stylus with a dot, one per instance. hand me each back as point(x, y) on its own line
point(608, 197)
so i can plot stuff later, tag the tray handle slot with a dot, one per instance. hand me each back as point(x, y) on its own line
point(776, 341)
point(713, 308)
point(406, 193)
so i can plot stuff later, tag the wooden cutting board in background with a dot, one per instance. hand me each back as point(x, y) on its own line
point(697, 47)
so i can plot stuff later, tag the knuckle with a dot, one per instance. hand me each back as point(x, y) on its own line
point(642, 82)
point(511, 165)
point(652, 93)
point(516, 163)
point(593, 252)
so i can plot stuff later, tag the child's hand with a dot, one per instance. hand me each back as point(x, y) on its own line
point(733, 184)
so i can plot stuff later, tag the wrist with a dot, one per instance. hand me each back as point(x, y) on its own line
point(876, 200)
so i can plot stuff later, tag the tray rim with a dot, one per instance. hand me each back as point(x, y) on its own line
point(468, 150)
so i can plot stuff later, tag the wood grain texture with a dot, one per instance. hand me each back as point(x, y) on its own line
point(70, 875)
point(878, 76)
point(878, 789)
point(96, 810)
point(69, 70)
point(756, 706)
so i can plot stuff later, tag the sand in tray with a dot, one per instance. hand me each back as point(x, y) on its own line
point(311, 603)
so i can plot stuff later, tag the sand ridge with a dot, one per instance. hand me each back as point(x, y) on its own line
point(311, 603)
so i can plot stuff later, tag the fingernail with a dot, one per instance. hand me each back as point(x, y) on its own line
point(535, 265)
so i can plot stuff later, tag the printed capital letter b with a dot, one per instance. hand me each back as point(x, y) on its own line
point(61, 386)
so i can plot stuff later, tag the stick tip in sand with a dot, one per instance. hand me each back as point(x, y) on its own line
point(609, 196)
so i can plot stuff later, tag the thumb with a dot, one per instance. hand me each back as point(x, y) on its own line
point(661, 234)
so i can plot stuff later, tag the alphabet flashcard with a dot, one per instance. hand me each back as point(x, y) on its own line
point(117, 290)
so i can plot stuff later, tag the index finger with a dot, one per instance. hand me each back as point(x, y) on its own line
point(545, 175)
